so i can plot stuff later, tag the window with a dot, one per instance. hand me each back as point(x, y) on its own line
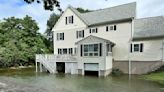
point(59, 51)
point(93, 30)
point(91, 50)
point(69, 20)
point(111, 28)
point(70, 50)
point(80, 34)
point(65, 51)
point(136, 47)
point(60, 36)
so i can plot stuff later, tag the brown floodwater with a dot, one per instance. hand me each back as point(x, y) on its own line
point(76, 83)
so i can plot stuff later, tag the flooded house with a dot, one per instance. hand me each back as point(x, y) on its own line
point(97, 41)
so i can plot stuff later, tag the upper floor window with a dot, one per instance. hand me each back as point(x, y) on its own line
point(80, 34)
point(65, 51)
point(69, 20)
point(60, 36)
point(93, 30)
point(111, 28)
point(136, 47)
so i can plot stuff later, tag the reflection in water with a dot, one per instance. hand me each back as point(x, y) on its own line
point(75, 83)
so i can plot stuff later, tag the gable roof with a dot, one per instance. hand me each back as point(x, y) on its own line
point(148, 27)
point(125, 11)
point(95, 37)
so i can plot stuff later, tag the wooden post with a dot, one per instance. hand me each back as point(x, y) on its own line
point(36, 66)
point(41, 67)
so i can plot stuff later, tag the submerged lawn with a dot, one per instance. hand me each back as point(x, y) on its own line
point(156, 77)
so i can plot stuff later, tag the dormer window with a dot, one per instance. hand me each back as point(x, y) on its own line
point(69, 20)
point(93, 30)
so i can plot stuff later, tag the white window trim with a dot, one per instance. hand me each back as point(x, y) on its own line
point(70, 20)
point(80, 34)
point(92, 51)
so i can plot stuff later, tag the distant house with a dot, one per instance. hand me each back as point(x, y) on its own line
point(97, 41)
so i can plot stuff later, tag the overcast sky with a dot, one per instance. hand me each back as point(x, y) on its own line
point(18, 8)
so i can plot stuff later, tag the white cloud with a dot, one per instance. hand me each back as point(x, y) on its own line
point(17, 8)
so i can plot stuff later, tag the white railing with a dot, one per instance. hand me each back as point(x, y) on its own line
point(50, 67)
point(58, 58)
point(49, 60)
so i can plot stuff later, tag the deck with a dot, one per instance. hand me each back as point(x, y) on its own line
point(49, 61)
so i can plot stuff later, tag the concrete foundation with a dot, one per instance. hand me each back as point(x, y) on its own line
point(137, 67)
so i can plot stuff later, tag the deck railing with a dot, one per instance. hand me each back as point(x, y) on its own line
point(58, 58)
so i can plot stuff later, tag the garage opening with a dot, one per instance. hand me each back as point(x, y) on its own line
point(91, 69)
point(60, 67)
point(91, 73)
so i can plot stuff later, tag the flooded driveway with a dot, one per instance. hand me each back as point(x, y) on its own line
point(26, 80)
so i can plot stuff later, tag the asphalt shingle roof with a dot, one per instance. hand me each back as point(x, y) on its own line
point(124, 11)
point(149, 27)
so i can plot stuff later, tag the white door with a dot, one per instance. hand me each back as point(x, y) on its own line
point(91, 67)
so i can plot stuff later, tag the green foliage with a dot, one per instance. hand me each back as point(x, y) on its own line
point(81, 10)
point(48, 4)
point(116, 72)
point(49, 34)
point(156, 77)
point(20, 41)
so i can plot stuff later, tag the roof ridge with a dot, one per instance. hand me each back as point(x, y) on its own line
point(162, 16)
point(109, 7)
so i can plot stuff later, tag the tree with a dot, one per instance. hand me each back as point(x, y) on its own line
point(81, 10)
point(20, 40)
point(48, 4)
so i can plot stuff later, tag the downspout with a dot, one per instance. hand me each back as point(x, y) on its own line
point(130, 41)
point(162, 49)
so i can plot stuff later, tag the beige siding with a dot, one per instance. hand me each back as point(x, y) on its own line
point(60, 25)
point(152, 51)
point(120, 37)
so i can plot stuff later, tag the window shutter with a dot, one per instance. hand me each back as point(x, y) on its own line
point(63, 36)
point(141, 47)
point(83, 33)
point(66, 20)
point(58, 51)
point(107, 28)
point(81, 50)
point(72, 19)
point(115, 27)
point(90, 31)
point(100, 50)
point(96, 30)
point(77, 34)
point(131, 48)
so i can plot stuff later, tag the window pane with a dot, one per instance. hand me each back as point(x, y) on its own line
point(95, 54)
point(94, 30)
point(95, 47)
point(111, 27)
point(136, 47)
point(85, 54)
point(85, 48)
point(90, 54)
point(64, 51)
point(91, 47)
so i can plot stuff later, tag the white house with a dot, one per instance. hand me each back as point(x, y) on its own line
point(97, 41)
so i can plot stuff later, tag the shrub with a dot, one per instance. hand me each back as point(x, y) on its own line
point(116, 71)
